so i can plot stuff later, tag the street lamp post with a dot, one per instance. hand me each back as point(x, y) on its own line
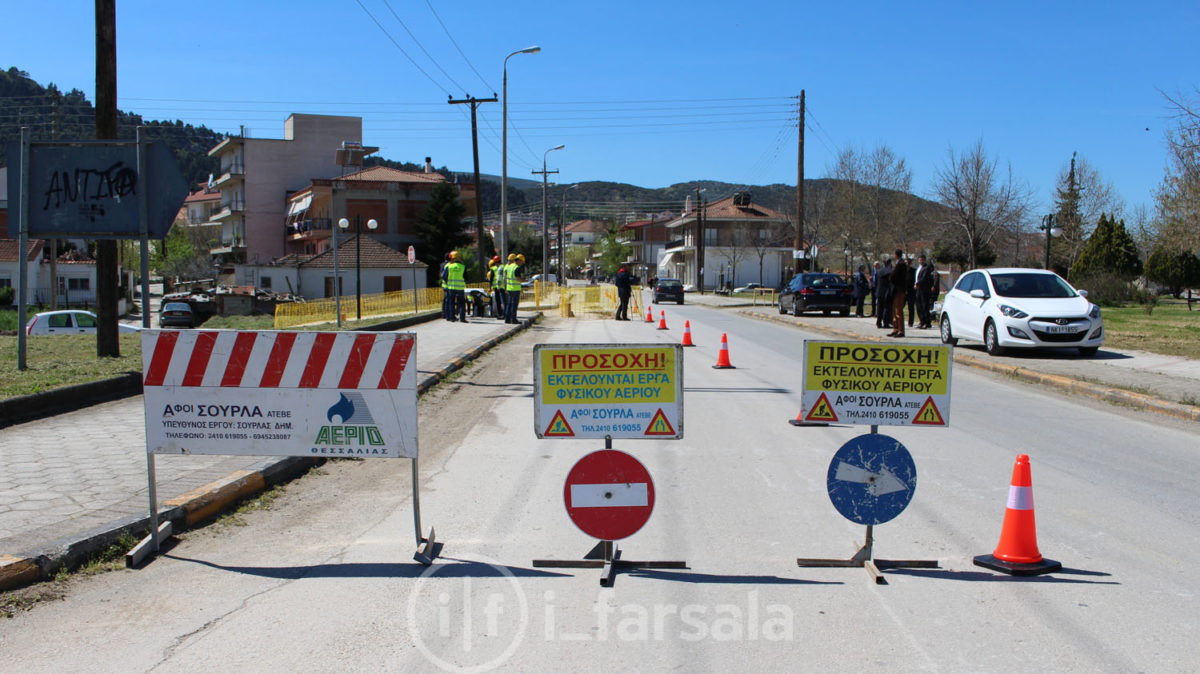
point(504, 153)
point(337, 281)
point(545, 221)
point(562, 245)
point(371, 224)
point(1051, 230)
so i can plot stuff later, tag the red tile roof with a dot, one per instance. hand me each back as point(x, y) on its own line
point(585, 226)
point(725, 208)
point(383, 174)
point(8, 250)
point(374, 255)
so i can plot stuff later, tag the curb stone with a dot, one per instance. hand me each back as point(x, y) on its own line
point(1139, 401)
point(202, 503)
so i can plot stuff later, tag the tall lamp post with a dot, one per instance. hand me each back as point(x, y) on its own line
point(504, 153)
point(562, 244)
point(545, 221)
point(1051, 230)
point(371, 225)
point(337, 281)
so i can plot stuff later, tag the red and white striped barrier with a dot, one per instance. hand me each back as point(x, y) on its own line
point(280, 393)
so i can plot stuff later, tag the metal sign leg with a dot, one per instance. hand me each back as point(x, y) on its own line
point(427, 547)
point(152, 543)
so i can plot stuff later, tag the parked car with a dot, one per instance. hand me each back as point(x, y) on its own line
point(749, 288)
point(668, 290)
point(177, 315)
point(816, 292)
point(1020, 308)
point(68, 322)
point(544, 278)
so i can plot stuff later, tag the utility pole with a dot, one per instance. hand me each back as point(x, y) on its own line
point(800, 190)
point(474, 103)
point(699, 243)
point(545, 224)
point(54, 242)
point(107, 343)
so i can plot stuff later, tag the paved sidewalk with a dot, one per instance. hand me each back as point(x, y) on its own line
point(64, 477)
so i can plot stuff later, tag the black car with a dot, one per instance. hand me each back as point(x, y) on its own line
point(668, 290)
point(816, 292)
point(177, 315)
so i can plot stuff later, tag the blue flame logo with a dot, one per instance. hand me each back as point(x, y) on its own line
point(343, 408)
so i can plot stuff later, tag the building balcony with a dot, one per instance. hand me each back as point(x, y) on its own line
point(228, 209)
point(231, 174)
point(313, 229)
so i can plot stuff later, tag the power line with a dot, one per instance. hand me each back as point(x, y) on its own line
point(397, 45)
point(422, 47)
point(455, 43)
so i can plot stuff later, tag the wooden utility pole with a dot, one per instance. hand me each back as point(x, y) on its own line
point(545, 173)
point(107, 343)
point(800, 190)
point(54, 242)
point(474, 103)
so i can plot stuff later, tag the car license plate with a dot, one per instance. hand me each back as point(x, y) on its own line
point(828, 292)
point(1061, 329)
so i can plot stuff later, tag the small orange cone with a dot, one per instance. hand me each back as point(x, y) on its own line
point(801, 421)
point(723, 357)
point(662, 321)
point(687, 334)
point(1017, 552)
point(649, 315)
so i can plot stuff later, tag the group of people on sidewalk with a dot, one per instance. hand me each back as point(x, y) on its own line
point(894, 284)
point(503, 279)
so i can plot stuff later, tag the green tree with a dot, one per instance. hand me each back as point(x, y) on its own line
point(1174, 268)
point(185, 255)
point(611, 249)
point(441, 228)
point(1110, 249)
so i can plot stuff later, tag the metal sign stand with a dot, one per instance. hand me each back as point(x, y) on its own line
point(863, 558)
point(606, 556)
point(424, 555)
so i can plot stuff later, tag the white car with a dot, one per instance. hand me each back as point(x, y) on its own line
point(1016, 308)
point(68, 322)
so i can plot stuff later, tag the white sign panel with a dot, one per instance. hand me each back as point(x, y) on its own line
point(320, 394)
point(596, 390)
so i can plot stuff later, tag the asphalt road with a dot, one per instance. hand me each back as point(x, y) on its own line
point(322, 581)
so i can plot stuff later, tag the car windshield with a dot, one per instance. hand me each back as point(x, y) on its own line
point(670, 284)
point(823, 280)
point(1031, 285)
point(176, 306)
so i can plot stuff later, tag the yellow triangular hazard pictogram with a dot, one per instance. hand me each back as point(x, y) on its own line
point(929, 414)
point(822, 411)
point(659, 425)
point(559, 428)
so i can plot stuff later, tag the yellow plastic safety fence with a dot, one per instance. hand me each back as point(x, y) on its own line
point(399, 304)
point(596, 301)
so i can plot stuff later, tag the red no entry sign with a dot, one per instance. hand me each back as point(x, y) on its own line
point(609, 495)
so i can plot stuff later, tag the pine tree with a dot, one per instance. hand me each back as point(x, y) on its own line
point(441, 227)
point(1109, 250)
point(1174, 268)
point(1068, 197)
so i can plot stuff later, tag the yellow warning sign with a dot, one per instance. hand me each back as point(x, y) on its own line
point(559, 428)
point(929, 415)
point(660, 426)
point(822, 411)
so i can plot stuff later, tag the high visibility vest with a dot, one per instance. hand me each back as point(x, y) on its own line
point(511, 281)
point(454, 276)
point(496, 276)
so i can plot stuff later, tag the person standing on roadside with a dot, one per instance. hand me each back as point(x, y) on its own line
point(512, 285)
point(875, 291)
point(455, 284)
point(899, 291)
point(447, 301)
point(911, 293)
point(924, 271)
point(861, 287)
point(495, 278)
point(883, 291)
point(624, 283)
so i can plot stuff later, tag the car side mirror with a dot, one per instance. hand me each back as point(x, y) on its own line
point(979, 294)
point(1082, 293)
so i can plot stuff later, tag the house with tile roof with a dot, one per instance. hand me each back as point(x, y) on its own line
point(76, 282)
point(743, 242)
point(383, 269)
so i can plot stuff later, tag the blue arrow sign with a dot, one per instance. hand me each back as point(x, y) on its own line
point(95, 190)
point(871, 479)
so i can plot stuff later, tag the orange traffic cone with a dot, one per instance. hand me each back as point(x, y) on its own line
point(662, 321)
point(1017, 552)
point(687, 334)
point(723, 357)
point(649, 315)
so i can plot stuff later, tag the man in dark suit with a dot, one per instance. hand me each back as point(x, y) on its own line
point(883, 295)
point(925, 274)
point(912, 291)
point(899, 294)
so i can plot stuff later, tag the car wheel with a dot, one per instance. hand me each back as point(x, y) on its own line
point(681, 301)
point(1088, 351)
point(990, 340)
point(656, 300)
point(844, 313)
point(782, 309)
point(947, 336)
point(796, 308)
point(824, 312)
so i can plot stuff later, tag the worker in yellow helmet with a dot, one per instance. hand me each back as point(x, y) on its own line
point(495, 279)
point(512, 286)
point(454, 284)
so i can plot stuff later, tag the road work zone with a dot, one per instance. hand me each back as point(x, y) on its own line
point(876, 384)
point(615, 390)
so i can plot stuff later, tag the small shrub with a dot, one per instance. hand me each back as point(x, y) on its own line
point(7, 293)
point(1108, 289)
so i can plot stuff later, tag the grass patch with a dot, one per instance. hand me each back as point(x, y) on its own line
point(24, 599)
point(239, 323)
point(62, 360)
point(1170, 329)
point(263, 501)
point(111, 558)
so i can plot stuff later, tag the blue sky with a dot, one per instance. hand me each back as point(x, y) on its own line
point(654, 93)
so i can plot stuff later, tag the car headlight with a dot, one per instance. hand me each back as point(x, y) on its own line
point(1012, 312)
point(1094, 314)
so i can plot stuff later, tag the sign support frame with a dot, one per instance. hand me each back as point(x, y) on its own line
point(606, 556)
point(864, 557)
